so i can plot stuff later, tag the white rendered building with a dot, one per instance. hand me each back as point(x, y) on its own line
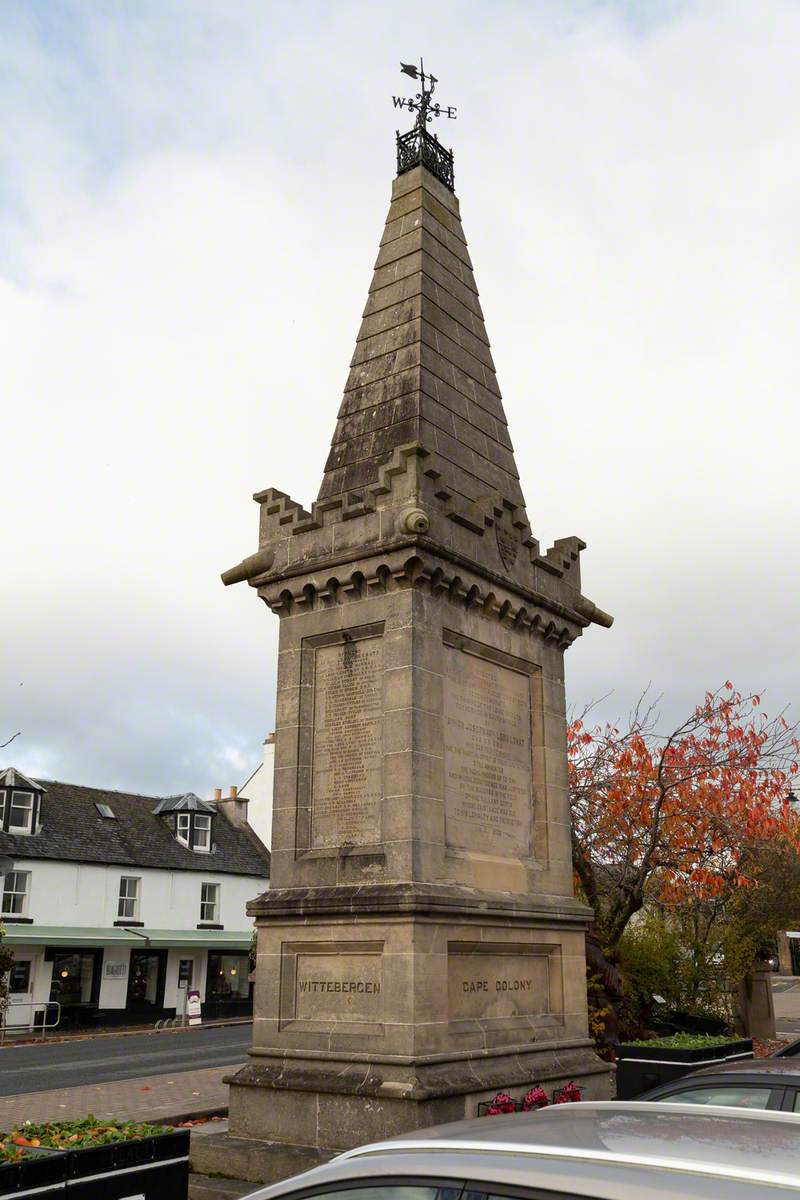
point(257, 789)
point(113, 902)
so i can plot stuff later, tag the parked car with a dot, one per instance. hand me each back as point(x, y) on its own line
point(756, 1083)
point(603, 1150)
point(790, 1051)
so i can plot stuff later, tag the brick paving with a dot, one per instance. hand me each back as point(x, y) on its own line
point(147, 1098)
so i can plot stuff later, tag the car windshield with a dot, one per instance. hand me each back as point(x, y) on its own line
point(729, 1097)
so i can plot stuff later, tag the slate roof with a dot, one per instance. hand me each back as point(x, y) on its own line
point(74, 831)
point(187, 802)
point(11, 777)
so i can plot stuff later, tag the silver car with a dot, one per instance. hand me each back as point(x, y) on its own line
point(609, 1151)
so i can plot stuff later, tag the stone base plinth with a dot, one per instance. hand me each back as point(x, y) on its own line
point(232, 1157)
point(385, 1008)
point(338, 1105)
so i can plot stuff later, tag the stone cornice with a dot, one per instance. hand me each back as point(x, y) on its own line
point(400, 567)
point(419, 899)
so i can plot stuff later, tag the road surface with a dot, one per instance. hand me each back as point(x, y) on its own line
point(39, 1068)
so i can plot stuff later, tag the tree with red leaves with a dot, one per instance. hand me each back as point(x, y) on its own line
point(673, 818)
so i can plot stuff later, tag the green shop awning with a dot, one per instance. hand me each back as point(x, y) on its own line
point(161, 939)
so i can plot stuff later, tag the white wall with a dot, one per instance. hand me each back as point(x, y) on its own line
point(62, 893)
point(87, 895)
point(258, 792)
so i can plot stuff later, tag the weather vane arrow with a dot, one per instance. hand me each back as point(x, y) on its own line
point(422, 104)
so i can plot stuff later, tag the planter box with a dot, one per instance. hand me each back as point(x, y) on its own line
point(640, 1068)
point(152, 1168)
point(155, 1168)
point(42, 1173)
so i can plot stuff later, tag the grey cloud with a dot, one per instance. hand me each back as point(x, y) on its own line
point(629, 191)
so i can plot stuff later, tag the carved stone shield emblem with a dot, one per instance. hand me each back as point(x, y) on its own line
point(508, 546)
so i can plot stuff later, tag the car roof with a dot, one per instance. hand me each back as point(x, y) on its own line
point(613, 1150)
point(752, 1066)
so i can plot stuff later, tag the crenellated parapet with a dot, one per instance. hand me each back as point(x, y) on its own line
point(410, 505)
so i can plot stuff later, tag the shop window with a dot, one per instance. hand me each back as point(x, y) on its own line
point(209, 903)
point(128, 907)
point(75, 977)
point(19, 979)
point(148, 969)
point(228, 976)
point(16, 890)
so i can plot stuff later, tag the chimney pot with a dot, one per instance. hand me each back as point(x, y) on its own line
point(217, 793)
point(233, 793)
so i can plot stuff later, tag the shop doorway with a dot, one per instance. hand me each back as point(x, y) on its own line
point(75, 982)
point(228, 988)
point(146, 980)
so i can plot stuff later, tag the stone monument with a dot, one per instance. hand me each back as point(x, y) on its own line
point(420, 946)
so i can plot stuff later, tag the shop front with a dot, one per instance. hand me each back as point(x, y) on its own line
point(228, 988)
point(119, 976)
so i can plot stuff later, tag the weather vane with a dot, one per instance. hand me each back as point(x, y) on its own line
point(422, 105)
point(418, 146)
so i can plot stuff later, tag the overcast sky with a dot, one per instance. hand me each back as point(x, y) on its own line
point(191, 198)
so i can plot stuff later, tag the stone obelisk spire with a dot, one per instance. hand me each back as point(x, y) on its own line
point(420, 945)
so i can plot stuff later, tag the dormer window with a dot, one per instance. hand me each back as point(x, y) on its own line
point(202, 832)
point(190, 819)
point(183, 827)
point(20, 801)
point(20, 817)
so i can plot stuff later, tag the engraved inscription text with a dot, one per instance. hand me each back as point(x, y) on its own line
point(339, 987)
point(348, 736)
point(488, 775)
point(485, 986)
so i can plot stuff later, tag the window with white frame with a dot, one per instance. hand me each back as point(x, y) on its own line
point(128, 908)
point(20, 817)
point(16, 890)
point(183, 827)
point(209, 902)
point(202, 833)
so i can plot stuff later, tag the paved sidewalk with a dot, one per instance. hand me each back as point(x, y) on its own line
point(146, 1098)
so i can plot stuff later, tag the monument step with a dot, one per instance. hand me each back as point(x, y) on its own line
point(212, 1187)
point(225, 1156)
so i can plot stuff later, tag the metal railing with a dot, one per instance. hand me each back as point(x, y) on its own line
point(418, 146)
point(181, 1018)
point(42, 1008)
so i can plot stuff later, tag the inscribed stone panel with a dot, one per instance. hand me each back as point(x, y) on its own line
point(339, 987)
point(488, 768)
point(347, 774)
point(327, 984)
point(487, 982)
